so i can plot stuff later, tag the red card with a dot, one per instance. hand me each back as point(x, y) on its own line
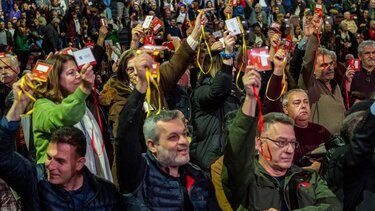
point(233, 2)
point(156, 25)
point(67, 51)
point(149, 40)
point(41, 70)
point(103, 22)
point(287, 44)
point(258, 57)
point(318, 9)
point(355, 64)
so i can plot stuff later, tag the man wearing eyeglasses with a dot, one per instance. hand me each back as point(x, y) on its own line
point(363, 81)
point(268, 181)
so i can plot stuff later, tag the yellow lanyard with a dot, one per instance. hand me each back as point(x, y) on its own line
point(156, 83)
point(203, 37)
point(244, 49)
point(283, 82)
point(31, 86)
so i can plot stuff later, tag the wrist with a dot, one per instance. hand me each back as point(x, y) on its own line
point(228, 51)
point(225, 55)
point(195, 34)
point(85, 89)
point(278, 70)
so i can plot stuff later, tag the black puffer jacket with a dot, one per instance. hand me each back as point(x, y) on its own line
point(213, 98)
point(30, 181)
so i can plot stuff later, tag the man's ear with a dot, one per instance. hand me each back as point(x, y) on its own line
point(285, 109)
point(258, 143)
point(151, 146)
point(80, 163)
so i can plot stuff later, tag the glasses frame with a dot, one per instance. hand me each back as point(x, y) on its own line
point(282, 144)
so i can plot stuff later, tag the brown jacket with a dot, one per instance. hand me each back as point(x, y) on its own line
point(115, 93)
point(327, 108)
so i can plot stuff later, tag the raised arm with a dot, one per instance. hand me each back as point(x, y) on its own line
point(272, 99)
point(239, 153)
point(172, 70)
point(17, 171)
point(312, 27)
point(130, 142)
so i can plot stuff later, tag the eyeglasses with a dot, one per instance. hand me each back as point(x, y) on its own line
point(281, 143)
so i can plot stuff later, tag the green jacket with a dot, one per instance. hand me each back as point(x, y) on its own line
point(248, 186)
point(48, 116)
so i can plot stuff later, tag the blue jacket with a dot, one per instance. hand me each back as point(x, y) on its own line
point(31, 183)
point(143, 182)
point(160, 191)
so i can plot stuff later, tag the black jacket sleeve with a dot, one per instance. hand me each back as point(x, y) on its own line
point(211, 97)
point(15, 170)
point(130, 144)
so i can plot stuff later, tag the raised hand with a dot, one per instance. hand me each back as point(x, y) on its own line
point(137, 33)
point(229, 42)
point(251, 79)
point(200, 21)
point(217, 46)
point(275, 40)
point(278, 60)
point(87, 78)
point(143, 62)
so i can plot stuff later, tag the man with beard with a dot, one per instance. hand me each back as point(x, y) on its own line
point(161, 178)
point(363, 81)
point(327, 104)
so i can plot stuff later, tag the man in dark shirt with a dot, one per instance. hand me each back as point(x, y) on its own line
point(363, 81)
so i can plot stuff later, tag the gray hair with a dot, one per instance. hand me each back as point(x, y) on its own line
point(324, 51)
point(365, 43)
point(13, 60)
point(284, 101)
point(149, 127)
point(276, 117)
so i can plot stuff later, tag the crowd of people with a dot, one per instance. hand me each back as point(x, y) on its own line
point(176, 114)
